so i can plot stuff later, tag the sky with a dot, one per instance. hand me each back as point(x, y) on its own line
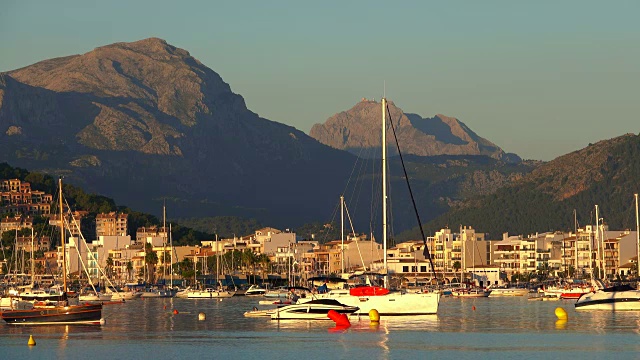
point(537, 78)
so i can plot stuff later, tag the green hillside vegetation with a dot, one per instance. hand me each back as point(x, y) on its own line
point(605, 174)
point(95, 204)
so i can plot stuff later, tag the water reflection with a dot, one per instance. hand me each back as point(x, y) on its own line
point(462, 326)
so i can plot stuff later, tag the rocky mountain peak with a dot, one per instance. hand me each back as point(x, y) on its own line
point(355, 130)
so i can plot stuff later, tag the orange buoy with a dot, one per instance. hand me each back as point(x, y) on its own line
point(175, 311)
point(473, 308)
point(165, 307)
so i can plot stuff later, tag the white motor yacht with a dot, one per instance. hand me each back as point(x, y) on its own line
point(311, 310)
point(615, 298)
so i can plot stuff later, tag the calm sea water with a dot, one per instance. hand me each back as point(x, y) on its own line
point(487, 328)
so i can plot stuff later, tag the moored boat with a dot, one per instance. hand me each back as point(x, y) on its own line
point(255, 290)
point(88, 314)
point(209, 293)
point(509, 291)
point(317, 309)
point(615, 298)
point(471, 293)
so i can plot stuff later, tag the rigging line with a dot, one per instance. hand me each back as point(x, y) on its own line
point(364, 266)
point(75, 223)
point(424, 239)
point(354, 195)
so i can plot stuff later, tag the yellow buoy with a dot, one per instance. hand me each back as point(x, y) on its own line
point(31, 342)
point(374, 317)
point(561, 324)
point(561, 313)
point(202, 316)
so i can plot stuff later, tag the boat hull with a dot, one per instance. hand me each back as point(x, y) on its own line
point(508, 292)
point(157, 294)
point(64, 315)
point(391, 304)
point(209, 294)
point(312, 310)
point(610, 301)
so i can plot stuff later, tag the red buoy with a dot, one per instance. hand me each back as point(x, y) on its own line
point(338, 318)
point(175, 311)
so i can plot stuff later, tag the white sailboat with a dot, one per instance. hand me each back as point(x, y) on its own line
point(383, 300)
point(212, 293)
point(616, 298)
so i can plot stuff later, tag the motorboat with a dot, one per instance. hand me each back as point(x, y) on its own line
point(471, 292)
point(281, 292)
point(157, 293)
point(614, 298)
point(118, 294)
point(42, 295)
point(311, 310)
point(209, 293)
point(95, 297)
point(508, 291)
point(255, 290)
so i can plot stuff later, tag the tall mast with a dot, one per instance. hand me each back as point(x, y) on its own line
point(33, 265)
point(171, 249)
point(63, 242)
point(575, 224)
point(342, 232)
point(164, 242)
point(598, 242)
point(637, 236)
point(384, 189)
point(217, 262)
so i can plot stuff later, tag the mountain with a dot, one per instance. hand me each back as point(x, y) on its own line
point(604, 174)
point(145, 122)
point(351, 130)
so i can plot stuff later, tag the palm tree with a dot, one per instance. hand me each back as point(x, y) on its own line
point(109, 269)
point(263, 260)
point(151, 259)
point(129, 269)
point(456, 267)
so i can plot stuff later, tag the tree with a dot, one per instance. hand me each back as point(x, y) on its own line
point(129, 269)
point(263, 260)
point(151, 259)
point(109, 267)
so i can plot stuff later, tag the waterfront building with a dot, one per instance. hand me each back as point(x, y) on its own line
point(16, 197)
point(111, 224)
point(19, 222)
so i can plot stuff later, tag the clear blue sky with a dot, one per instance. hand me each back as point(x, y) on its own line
point(538, 78)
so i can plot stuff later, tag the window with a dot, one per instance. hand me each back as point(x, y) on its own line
point(405, 269)
point(423, 268)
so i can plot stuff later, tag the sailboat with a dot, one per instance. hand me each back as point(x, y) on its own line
point(212, 293)
point(60, 312)
point(165, 292)
point(616, 298)
point(382, 299)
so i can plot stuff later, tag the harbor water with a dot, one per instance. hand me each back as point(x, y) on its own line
point(482, 328)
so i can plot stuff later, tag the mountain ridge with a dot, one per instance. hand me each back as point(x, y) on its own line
point(351, 130)
point(145, 122)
